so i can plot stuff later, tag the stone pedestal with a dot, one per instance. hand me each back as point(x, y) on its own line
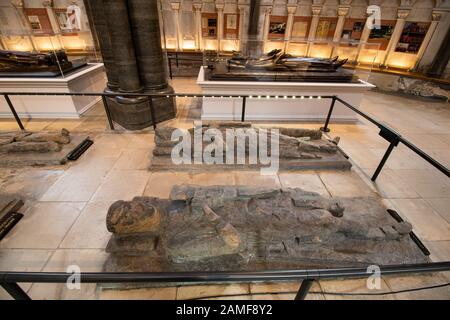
point(280, 109)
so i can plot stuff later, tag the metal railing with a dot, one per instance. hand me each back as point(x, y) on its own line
point(387, 133)
point(175, 57)
point(9, 280)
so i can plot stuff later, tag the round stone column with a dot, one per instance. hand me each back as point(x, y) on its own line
point(116, 14)
point(152, 66)
point(99, 22)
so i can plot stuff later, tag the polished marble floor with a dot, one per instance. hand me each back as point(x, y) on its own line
point(65, 207)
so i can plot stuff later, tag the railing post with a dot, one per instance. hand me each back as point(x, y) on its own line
point(152, 111)
point(394, 138)
point(244, 99)
point(383, 161)
point(15, 291)
point(108, 113)
point(304, 289)
point(8, 101)
point(330, 111)
point(170, 67)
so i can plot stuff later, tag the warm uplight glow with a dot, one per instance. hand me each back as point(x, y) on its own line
point(229, 45)
point(47, 43)
point(189, 44)
point(17, 43)
point(320, 51)
point(297, 49)
point(171, 44)
point(271, 45)
point(210, 44)
point(401, 60)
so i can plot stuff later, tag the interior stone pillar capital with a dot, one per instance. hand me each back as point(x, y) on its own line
point(18, 4)
point(403, 13)
point(267, 10)
point(343, 11)
point(175, 5)
point(243, 9)
point(219, 6)
point(291, 9)
point(316, 9)
point(197, 6)
point(436, 15)
point(47, 3)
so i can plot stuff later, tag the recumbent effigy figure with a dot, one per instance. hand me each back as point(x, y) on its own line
point(252, 228)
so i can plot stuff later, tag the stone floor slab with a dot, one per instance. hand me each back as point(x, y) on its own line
point(211, 291)
point(64, 260)
point(428, 224)
point(160, 183)
point(169, 293)
point(89, 230)
point(43, 226)
point(122, 185)
point(309, 181)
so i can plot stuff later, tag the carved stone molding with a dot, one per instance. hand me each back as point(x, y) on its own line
point(266, 10)
point(403, 13)
point(175, 5)
point(291, 9)
point(197, 6)
point(243, 9)
point(316, 9)
point(18, 3)
point(219, 6)
point(47, 3)
point(343, 11)
point(436, 15)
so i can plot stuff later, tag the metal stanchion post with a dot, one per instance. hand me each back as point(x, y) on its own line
point(383, 161)
point(304, 289)
point(108, 113)
point(152, 112)
point(330, 111)
point(244, 99)
point(15, 291)
point(14, 112)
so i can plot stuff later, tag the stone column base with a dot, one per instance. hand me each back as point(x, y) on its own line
point(134, 113)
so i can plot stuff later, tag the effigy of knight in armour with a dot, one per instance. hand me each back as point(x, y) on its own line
point(278, 65)
point(26, 148)
point(28, 64)
point(218, 145)
point(277, 60)
point(223, 228)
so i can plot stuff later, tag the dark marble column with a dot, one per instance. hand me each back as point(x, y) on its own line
point(101, 30)
point(130, 41)
point(254, 45)
point(442, 58)
point(132, 113)
point(145, 28)
point(116, 14)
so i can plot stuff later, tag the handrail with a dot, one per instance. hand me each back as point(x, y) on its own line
point(9, 279)
point(385, 131)
point(225, 276)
